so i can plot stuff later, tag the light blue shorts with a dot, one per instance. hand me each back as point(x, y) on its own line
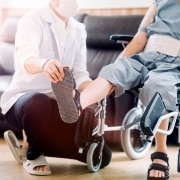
point(151, 71)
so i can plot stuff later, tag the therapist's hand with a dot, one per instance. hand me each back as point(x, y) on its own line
point(54, 70)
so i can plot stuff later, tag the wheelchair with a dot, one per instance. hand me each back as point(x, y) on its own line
point(137, 131)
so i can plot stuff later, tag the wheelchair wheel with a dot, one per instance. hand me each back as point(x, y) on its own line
point(133, 141)
point(178, 162)
point(94, 157)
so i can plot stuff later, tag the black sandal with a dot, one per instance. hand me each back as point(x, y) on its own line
point(68, 105)
point(159, 167)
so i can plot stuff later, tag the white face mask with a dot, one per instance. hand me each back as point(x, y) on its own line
point(68, 8)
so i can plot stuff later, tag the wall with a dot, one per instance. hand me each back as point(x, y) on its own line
point(115, 11)
point(83, 3)
point(95, 7)
point(114, 7)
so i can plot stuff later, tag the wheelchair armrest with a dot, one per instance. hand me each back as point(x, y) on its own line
point(121, 38)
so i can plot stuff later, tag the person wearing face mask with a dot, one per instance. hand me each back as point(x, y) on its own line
point(47, 41)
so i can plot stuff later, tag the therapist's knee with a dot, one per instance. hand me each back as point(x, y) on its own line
point(36, 102)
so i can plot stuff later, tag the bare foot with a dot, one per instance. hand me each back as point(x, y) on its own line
point(160, 165)
point(157, 173)
point(25, 144)
point(42, 168)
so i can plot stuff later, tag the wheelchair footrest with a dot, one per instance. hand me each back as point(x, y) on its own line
point(154, 110)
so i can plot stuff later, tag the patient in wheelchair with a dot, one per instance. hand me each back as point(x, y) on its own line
point(150, 61)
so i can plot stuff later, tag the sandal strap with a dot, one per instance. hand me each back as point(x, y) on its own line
point(155, 166)
point(29, 166)
point(77, 100)
point(160, 155)
point(159, 167)
point(21, 152)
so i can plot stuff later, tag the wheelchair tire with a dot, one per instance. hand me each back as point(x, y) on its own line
point(178, 162)
point(132, 139)
point(93, 163)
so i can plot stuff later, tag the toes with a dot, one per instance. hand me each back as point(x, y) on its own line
point(156, 173)
point(41, 168)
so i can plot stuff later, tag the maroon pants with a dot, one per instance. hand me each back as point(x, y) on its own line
point(47, 134)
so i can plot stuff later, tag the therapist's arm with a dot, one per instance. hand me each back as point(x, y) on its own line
point(51, 67)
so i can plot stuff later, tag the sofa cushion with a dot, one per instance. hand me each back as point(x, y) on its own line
point(8, 30)
point(4, 82)
point(6, 58)
point(7, 38)
point(80, 17)
point(97, 58)
point(100, 49)
point(99, 29)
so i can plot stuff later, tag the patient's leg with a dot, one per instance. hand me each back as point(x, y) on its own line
point(160, 140)
point(95, 92)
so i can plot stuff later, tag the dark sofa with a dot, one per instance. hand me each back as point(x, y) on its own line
point(100, 52)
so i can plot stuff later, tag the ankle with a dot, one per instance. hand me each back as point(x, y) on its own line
point(25, 145)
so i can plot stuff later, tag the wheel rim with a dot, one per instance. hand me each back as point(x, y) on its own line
point(132, 139)
point(94, 160)
point(137, 141)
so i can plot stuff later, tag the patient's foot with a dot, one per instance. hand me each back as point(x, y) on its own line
point(159, 167)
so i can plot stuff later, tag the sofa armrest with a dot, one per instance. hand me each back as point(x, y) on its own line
point(7, 38)
point(6, 58)
point(4, 82)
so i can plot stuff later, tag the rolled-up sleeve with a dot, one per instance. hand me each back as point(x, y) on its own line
point(27, 40)
point(148, 18)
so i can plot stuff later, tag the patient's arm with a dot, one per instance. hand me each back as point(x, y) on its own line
point(139, 41)
point(136, 45)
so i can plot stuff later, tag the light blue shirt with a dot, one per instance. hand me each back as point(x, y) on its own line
point(167, 20)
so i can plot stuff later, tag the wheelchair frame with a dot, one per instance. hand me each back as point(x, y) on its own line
point(131, 122)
